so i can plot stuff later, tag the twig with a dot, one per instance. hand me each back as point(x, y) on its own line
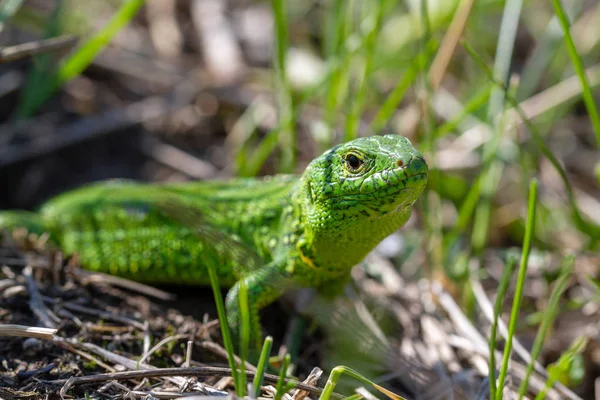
point(99, 277)
point(220, 351)
point(85, 355)
point(36, 304)
point(188, 353)
point(102, 314)
point(177, 159)
point(27, 331)
point(159, 345)
point(174, 372)
point(29, 49)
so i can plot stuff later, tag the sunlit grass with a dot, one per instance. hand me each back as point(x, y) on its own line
point(588, 98)
point(516, 307)
point(45, 79)
point(502, 290)
point(549, 316)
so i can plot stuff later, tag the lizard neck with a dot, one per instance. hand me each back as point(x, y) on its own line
point(336, 241)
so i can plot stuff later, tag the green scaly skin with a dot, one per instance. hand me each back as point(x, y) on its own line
point(273, 232)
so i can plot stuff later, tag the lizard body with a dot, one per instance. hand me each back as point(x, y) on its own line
point(307, 230)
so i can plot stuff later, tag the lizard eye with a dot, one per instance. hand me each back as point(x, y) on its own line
point(353, 162)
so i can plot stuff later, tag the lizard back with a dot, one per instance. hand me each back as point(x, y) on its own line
point(170, 232)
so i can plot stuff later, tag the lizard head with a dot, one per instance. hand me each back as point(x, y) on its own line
point(360, 192)
point(368, 177)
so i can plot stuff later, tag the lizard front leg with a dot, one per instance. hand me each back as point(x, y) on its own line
point(264, 286)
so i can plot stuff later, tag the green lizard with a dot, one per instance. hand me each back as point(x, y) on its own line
point(307, 231)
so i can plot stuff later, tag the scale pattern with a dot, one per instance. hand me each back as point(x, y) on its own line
point(272, 233)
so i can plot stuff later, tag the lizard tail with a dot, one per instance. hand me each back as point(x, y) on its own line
point(32, 222)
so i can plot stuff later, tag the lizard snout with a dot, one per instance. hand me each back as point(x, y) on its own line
point(416, 166)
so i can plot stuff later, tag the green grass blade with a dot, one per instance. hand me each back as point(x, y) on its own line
point(228, 343)
point(256, 160)
point(287, 113)
point(545, 50)
point(78, 61)
point(469, 108)
point(397, 94)
point(562, 365)
point(492, 170)
point(262, 365)
point(289, 386)
point(502, 289)
point(337, 372)
point(373, 22)
point(588, 98)
point(82, 57)
point(550, 314)
point(591, 229)
point(335, 28)
point(514, 315)
point(504, 52)
point(40, 79)
point(244, 333)
point(282, 373)
point(337, 84)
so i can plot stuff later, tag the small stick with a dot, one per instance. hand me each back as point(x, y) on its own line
point(160, 344)
point(188, 354)
point(27, 331)
point(29, 49)
point(35, 300)
point(172, 372)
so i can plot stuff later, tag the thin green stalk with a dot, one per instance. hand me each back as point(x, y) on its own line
point(464, 214)
point(257, 159)
point(493, 169)
point(244, 333)
point(74, 64)
point(262, 365)
point(549, 315)
point(397, 94)
point(289, 386)
point(41, 75)
point(285, 99)
point(357, 106)
point(337, 84)
point(506, 42)
point(588, 98)
point(85, 54)
point(544, 52)
point(490, 178)
point(469, 108)
point(514, 315)
point(562, 365)
point(335, 28)
point(591, 229)
point(228, 343)
point(502, 289)
point(337, 372)
point(280, 382)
